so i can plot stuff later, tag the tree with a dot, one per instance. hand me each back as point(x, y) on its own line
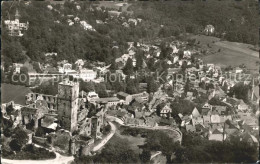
point(225, 87)
point(151, 85)
point(113, 65)
point(100, 88)
point(184, 65)
point(39, 132)
point(9, 109)
point(130, 86)
point(129, 68)
point(145, 156)
point(139, 60)
point(187, 86)
point(20, 135)
point(15, 145)
point(240, 91)
point(7, 132)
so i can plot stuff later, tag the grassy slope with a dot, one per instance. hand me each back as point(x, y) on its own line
point(231, 53)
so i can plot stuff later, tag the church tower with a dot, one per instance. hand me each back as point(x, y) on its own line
point(17, 15)
point(68, 92)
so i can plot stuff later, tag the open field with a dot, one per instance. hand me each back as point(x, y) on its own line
point(14, 93)
point(231, 53)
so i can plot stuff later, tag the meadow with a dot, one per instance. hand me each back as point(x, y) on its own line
point(225, 53)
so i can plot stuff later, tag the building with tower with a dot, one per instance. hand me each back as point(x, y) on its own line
point(15, 27)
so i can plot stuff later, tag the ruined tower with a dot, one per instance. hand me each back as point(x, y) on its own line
point(67, 107)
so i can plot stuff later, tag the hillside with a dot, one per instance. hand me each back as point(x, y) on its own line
point(227, 53)
point(49, 29)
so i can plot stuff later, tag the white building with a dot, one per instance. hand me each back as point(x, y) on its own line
point(17, 67)
point(134, 21)
point(209, 29)
point(87, 74)
point(79, 63)
point(51, 54)
point(15, 27)
point(86, 26)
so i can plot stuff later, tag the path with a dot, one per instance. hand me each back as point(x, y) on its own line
point(157, 153)
point(107, 138)
point(60, 159)
point(179, 138)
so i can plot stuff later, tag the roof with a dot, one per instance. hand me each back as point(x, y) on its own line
point(190, 128)
point(216, 131)
point(107, 99)
point(247, 136)
point(139, 100)
point(167, 121)
point(195, 112)
point(217, 137)
point(231, 131)
point(215, 118)
point(123, 94)
point(206, 118)
point(205, 111)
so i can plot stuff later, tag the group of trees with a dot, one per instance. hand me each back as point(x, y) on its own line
point(182, 106)
point(235, 18)
point(196, 149)
point(240, 91)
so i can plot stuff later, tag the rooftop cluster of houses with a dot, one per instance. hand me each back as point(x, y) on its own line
point(215, 122)
point(63, 68)
point(218, 123)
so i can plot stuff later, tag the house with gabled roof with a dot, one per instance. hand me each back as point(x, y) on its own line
point(197, 120)
point(195, 113)
point(185, 120)
point(169, 122)
point(249, 138)
point(190, 128)
point(221, 110)
point(206, 120)
point(242, 106)
point(166, 111)
point(217, 135)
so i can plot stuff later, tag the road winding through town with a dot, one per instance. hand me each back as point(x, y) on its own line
point(177, 131)
point(107, 138)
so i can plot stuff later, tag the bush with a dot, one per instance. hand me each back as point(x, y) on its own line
point(15, 145)
point(7, 132)
point(39, 132)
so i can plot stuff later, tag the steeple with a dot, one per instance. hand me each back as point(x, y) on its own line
point(17, 15)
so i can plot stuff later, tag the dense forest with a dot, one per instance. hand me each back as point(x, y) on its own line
point(237, 19)
point(233, 20)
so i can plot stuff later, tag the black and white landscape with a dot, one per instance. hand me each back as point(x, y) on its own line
point(130, 81)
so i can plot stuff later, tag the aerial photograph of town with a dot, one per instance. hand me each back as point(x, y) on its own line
point(129, 81)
